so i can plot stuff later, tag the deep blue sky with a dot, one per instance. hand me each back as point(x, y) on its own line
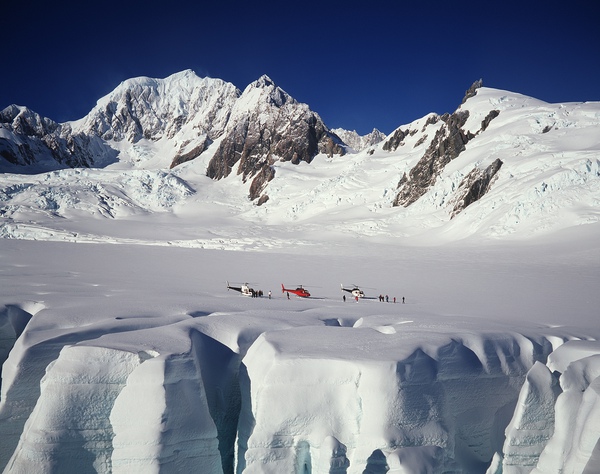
point(377, 64)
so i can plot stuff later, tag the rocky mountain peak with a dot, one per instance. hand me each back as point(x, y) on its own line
point(29, 140)
point(449, 142)
point(264, 92)
point(263, 81)
point(267, 125)
point(359, 142)
point(471, 91)
point(186, 114)
point(24, 121)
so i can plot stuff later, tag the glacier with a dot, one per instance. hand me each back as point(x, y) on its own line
point(137, 358)
point(122, 349)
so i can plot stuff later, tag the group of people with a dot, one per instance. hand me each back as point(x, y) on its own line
point(386, 298)
point(382, 298)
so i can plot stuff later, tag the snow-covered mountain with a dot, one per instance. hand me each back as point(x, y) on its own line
point(162, 123)
point(359, 142)
point(138, 358)
point(501, 164)
point(30, 143)
point(267, 125)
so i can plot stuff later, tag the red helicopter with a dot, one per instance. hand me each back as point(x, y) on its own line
point(301, 292)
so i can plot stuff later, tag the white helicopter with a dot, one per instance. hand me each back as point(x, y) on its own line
point(244, 289)
point(355, 291)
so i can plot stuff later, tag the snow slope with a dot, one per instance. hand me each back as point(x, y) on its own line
point(124, 351)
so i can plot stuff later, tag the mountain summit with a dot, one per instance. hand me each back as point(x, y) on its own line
point(267, 125)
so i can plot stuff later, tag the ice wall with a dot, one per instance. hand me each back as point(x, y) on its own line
point(556, 424)
point(111, 396)
point(69, 429)
point(44, 335)
point(161, 421)
point(575, 445)
point(441, 403)
point(21, 375)
point(13, 320)
point(266, 393)
point(532, 424)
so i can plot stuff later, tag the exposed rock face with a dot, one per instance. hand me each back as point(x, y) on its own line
point(259, 183)
point(396, 140)
point(267, 125)
point(400, 136)
point(475, 185)
point(448, 143)
point(29, 139)
point(489, 117)
point(202, 145)
point(471, 91)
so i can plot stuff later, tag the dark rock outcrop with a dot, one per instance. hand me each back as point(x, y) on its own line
point(448, 143)
point(474, 186)
point(396, 140)
point(255, 145)
point(259, 183)
point(431, 120)
point(488, 118)
point(472, 91)
point(273, 127)
point(201, 146)
point(36, 143)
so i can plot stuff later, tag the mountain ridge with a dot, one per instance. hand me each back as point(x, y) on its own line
point(180, 117)
point(506, 158)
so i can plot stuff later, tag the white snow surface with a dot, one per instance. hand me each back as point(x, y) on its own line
point(124, 351)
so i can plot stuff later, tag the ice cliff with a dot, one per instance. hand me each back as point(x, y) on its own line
point(219, 394)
